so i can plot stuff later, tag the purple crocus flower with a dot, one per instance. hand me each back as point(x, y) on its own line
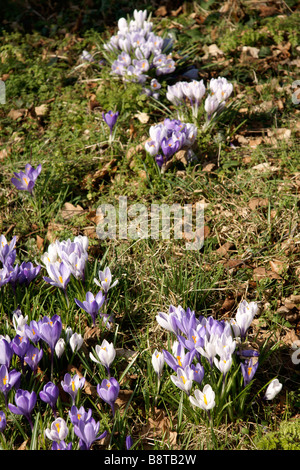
point(50, 330)
point(92, 304)
point(59, 275)
point(4, 276)
point(180, 357)
point(71, 385)
point(62, 445)
point(198, 372)
point(109, 391)
point(32, 331)
point(79, 414)
point(49, 395)
point(248, 370)
point(33, 357)
point(7, 250)
point(110, 118)
point(8, 380)
point(2, 421)
point(160, 160)
point(88, 433)
point(25, 401)
point(105, 280)
point(20, 346)
point(6, 352)
point(27, 272)
point(26, 181)
point(128, 442)
point(169, 147)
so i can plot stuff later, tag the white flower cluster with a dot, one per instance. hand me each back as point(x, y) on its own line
point(136, 51)
point(191, 94)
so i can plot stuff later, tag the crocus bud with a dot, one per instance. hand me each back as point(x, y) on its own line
point(273, 389)
point(76, 342)
point(158, 361)
point(60, 347)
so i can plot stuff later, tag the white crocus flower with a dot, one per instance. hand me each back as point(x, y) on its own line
point(184, 379)
point(244, 316)
point(223, 364)
point(58, 430)
point(76, 341)
point(158, 361)
point(205, 399)
point(105, 354)
point(60, 347)
point(273, 389)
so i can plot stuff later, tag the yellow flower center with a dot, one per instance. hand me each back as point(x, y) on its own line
point(179, 360)
point(183, 379)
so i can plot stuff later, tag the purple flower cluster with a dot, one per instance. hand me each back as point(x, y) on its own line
point(64, 259)
point(168, 137)
point(135, 52)
point(14, 273)
point(204, 339)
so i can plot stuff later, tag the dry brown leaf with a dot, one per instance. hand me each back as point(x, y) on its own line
point(52, 228)
point(3, 154)
point(212, 51)
point(123, 398)
point(161, 11)
point(208, 167)
point(142, 117)
point(23, 446)
point(256, 202)
point(41, 110)
point(69, 210)
point(262, 273)
point(278, 266)
point(282, 133)
point(248, 51)
point(16, 113)
point(158, 427)
point(40, 243)
point(223, 249)
point(264, 167)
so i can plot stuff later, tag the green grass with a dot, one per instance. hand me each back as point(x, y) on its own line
point(70, 140)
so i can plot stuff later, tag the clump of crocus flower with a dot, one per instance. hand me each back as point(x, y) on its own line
point(66, 257)
point(169, 137)
point(25, 181)
point(11, 273)
point(204, 348)
point(137, 54)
